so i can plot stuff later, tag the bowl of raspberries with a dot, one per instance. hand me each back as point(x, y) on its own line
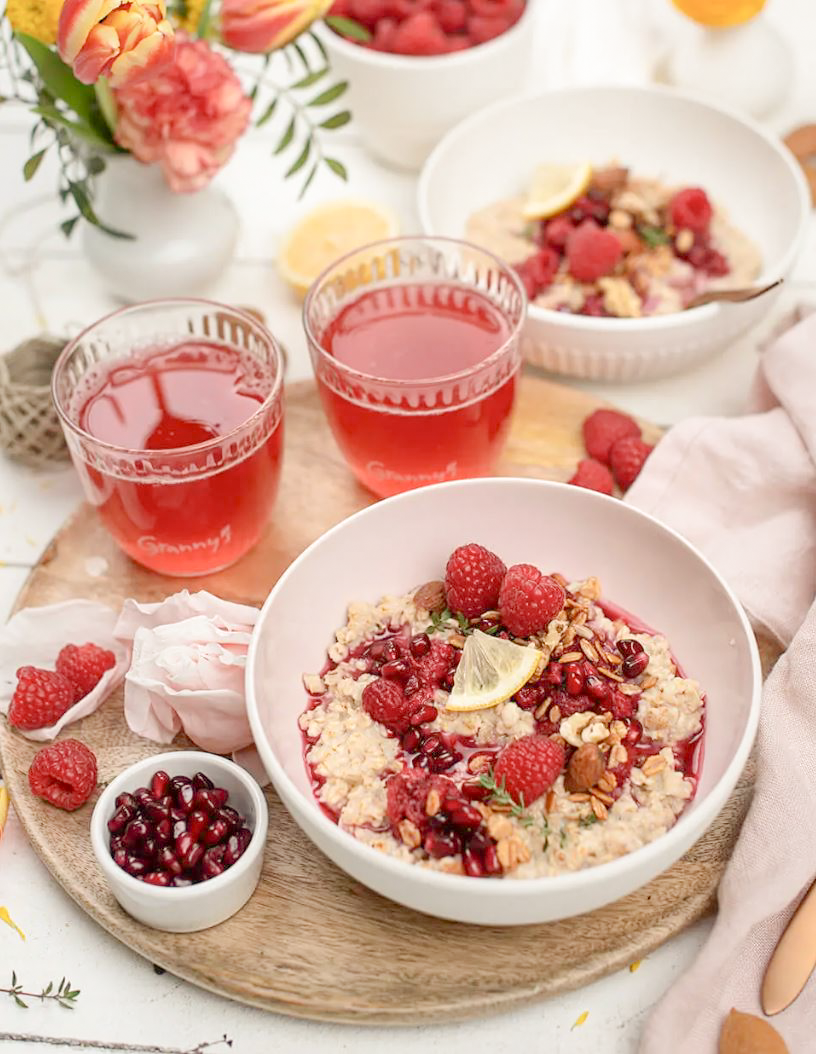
point(417, 67)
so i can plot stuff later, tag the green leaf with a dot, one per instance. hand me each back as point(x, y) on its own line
point(301, 54)
point(340, 170)
point(321, 47)
point(311, 78)
point(83, 203)
point(107, 103)
point(329, 95)
point(204, 20)
point(301, 160)
point(83, 131)
point(653, 236)
point(48, 988)
point(13, 979)
point(267, 114)
point(31, 166)
point(337, 121)
point(309, 179)
point(95, 165)
point(286, 138)
point(347, 27)
point(59, 78)
point(19, 1002)
point(64, 1003)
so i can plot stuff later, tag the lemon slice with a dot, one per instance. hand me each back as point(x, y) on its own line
point(720, 14)
point(554, 188)
point(490, 671)
point(330, 231)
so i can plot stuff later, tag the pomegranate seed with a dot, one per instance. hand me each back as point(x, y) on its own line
point(411, 686)
point(491, 861)
point(216, 832)
point(420, 645)
point(466, 816)
point(441, 843)
point(158, 878)
point(202, 782)
point(185, 796)
point(429, 745)
point(134, 866)
point(191, 858)
point(116, 843)
point(210, 798)
point(164, 832)
point(236, 845)
point(574, 679)
point(147, 850)
point(419, 761)
point(119, 857)
point(142, 796)
point(155, 811)
point(633, 734)
point(390, 651)
point(634, 665)
point(212, 864)
point(177, 782)
point(447, 682)
point(229, 816)
point(553, 674)
point(411, 740)
point(472, 863)
point(473, 790)
point(397, 670)
point(441, 761)
point(167, 801)
point(184, 843)
point(375, 649)
point(169, 861)
point(120, 818)
point(179, 828)
point(177, 814)
point(135, 832)
point(424, 715)
point(179, 880)
point(629, 647)
point(159, 784)
point(125, 799)
point(480, 840)
point(597, 688)
point(197, 823)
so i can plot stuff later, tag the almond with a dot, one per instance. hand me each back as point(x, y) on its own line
point(747, 1034)
point(431, 597)
point(585, 768)
point(610, 179)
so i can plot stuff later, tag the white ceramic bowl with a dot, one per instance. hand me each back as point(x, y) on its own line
point(189, 908)
point(395, 545)
point(403, 105)
point(655, 132)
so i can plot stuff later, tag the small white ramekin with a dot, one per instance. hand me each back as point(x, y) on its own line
point(189, 908)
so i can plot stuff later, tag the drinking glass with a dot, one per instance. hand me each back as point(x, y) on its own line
point(438, 423)
point(181, 507)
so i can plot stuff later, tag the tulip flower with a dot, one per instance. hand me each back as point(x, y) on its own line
point(265, 25)
point(125, 42)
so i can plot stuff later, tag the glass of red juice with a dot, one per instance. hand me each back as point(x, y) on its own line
point(415, 344)
point(173, 415)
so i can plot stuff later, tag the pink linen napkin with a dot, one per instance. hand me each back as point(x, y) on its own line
point(744, 491)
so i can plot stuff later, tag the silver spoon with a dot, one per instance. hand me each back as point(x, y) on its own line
point(732, 296)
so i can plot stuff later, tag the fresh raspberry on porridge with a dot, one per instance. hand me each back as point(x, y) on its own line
point(524, 729)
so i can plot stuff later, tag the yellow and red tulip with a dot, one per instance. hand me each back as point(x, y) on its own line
point(124, 42)
point(265, 25)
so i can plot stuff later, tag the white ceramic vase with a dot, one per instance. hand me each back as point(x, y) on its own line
point(182, 242)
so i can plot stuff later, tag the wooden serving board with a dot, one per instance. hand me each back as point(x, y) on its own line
point(312, 942)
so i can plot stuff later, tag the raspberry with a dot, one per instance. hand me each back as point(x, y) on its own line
point(594, 476)
point(369, 12)
point(63, 773)
point(704, 258)
point(589, 207)
point(83, 666)
point(626, 458)
point(419, 34)
point(40, 698)
point(433, 666)
point(595, 307)
point(528, 767)
point(690, 208)
point(384, 702)
point(384, 31)
point(473, 577)
point(557, 231)
point(592, 252)
point(538, 270)
point(528, 600)
point(602, 428)
point(483, 28)
point(452, 15)
point(407, 792)
point(623, 706)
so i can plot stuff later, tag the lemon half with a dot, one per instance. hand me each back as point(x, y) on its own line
point(554, 188)
point(720, 14)
point(490, 671)
point(328, 232)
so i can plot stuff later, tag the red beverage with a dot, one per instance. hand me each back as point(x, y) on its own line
point(178, 443)
point(408, 388)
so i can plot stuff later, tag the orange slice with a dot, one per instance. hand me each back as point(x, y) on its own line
point(720, 14)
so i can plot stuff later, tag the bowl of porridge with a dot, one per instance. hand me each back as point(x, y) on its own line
point(662, 196)
point(503, 701)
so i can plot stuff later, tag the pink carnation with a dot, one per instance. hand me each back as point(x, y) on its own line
point(187, 117)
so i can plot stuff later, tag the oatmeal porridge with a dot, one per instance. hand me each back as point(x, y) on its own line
point(501, 723)
point(626, 247)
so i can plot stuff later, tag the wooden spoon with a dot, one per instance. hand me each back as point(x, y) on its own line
point(732, 296)
point(793, 960)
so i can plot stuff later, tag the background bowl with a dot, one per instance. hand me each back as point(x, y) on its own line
point(655, 132)
point(404, 104)
point(399, 543)
point(189, 908)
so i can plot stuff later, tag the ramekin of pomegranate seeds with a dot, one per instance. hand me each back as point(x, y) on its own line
point(428, 64)
point(180, 839)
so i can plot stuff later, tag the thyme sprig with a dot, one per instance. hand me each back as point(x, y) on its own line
point(500, 796)
point(62, 993)
point(653, 236)
point(442, 619)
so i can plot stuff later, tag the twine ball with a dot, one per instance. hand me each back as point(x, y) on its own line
point(30, 431)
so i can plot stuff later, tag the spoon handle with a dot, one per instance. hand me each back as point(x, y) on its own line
point(793, 959)
point(732, 296)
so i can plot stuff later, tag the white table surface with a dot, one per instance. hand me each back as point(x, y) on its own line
point(46, 285)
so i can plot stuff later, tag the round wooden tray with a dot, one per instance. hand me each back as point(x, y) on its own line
point(312, 942)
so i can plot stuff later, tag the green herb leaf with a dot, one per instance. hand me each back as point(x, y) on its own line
point(267, 114)
point(19, 1002)
point(67, 226)
point(321, 47)
point(311, 78)
point(286, 138)
point(337, 167)
point(329, 95)
point(587, 821)
point(347, 27)
point(83, 203)
point(31, 166)
point(309, 179)
point(301, 54)
point(47, 990)
point(653, 236)
point(301, 160)
point(82, 131)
